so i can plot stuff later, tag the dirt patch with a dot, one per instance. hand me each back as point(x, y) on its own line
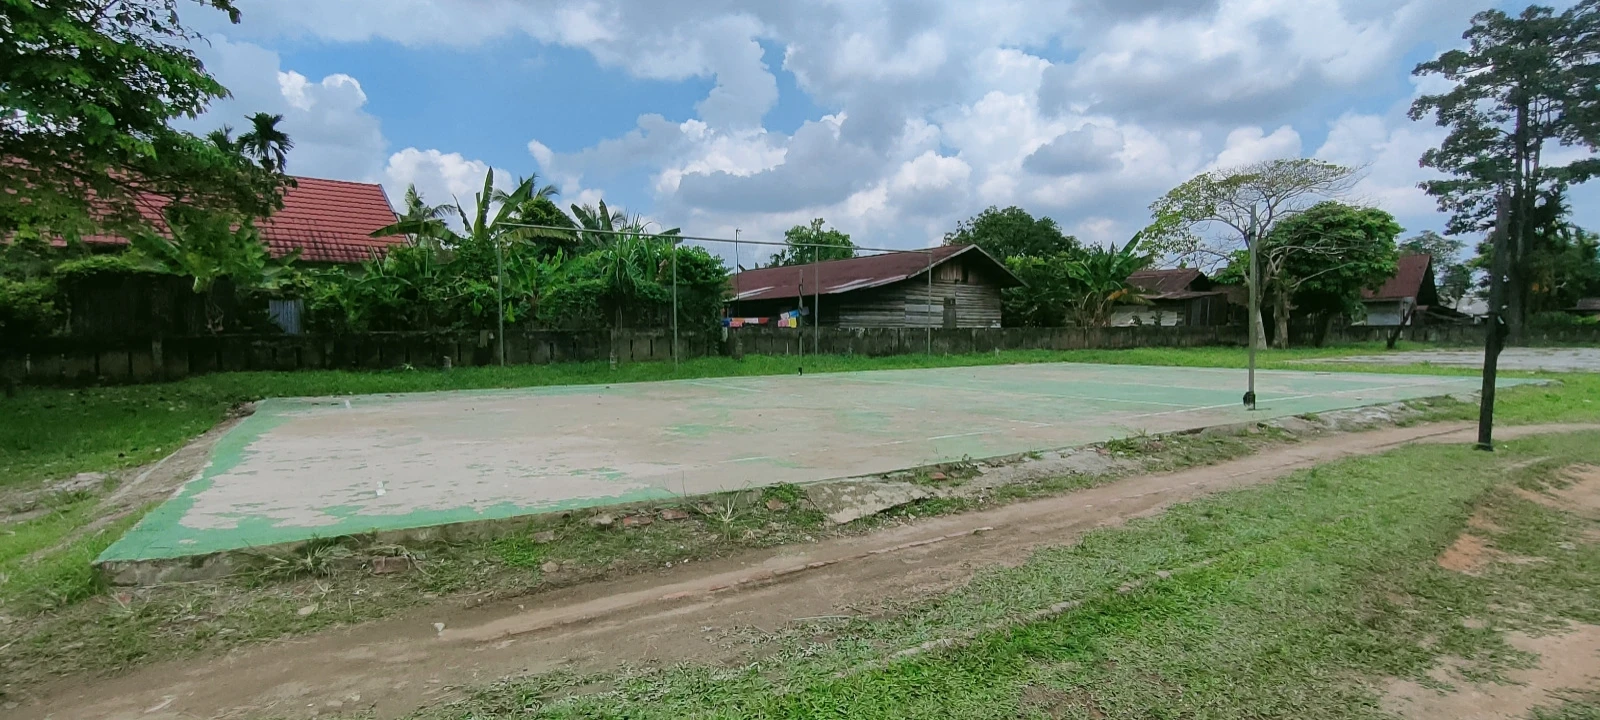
point(1469, 554)
point(1583, 495)
point(1569, 661)
point(1056, 704)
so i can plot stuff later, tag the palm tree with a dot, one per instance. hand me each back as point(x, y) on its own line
point(417, 211)
point(223, 138)
point(266, 143)
point(528, 191)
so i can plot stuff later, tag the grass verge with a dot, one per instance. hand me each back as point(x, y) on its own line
point(1289, 600)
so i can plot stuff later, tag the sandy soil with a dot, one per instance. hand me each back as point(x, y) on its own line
point(1567, 661)
point(394, 666)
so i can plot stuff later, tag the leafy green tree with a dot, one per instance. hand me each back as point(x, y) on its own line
point(813, 243)
point(1211, 218)
point(1048, 290)
point(1451, 273)
point(1011, 233)
point(1525, 84)
point(87, 91)
point(1324, 258)
point(266, 143)
point(1100, 280)
point(208, 246)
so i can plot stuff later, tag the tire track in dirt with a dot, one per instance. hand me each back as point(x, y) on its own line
point(396, 665)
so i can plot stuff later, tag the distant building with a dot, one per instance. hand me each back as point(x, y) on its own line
point(1180, 296)
point(878, 291)
point(1587, 307)
point(1405, 296)
point(328, 221)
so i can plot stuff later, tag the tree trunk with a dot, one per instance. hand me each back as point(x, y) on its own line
point(1324, 321)
point(1516, 300)
point(1280, 319)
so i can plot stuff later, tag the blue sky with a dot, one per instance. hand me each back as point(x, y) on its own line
point(892, 120)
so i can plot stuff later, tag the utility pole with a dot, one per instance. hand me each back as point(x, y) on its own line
point(1255, 315)
point(500, 297)
point(1495, 336)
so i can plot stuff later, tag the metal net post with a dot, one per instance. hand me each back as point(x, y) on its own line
point(927, 307)
point(674, 305)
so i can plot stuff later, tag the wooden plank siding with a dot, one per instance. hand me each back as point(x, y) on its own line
point(908, 303)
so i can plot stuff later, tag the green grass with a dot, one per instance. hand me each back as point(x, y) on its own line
point(1291, 600)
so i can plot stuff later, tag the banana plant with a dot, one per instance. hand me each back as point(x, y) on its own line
point(1102, 277)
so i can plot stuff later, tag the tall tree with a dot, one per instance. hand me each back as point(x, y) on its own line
point(1451, 273)
point(1210, 218)
point(1011, 233)
point(266, 143)
point(814, 243)
point(1324, 257)
point(1524, 84)
point(87, 91)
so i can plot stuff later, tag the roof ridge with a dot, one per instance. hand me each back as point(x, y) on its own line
point(298, 178)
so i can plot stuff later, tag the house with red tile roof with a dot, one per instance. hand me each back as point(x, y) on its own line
point(328, 221)
point(951, 286)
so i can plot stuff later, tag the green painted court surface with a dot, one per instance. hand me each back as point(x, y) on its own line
point(318, 467)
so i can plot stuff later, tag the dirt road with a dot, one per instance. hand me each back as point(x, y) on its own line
point(397, 665)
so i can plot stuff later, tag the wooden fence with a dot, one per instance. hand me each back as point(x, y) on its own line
point(51, 361)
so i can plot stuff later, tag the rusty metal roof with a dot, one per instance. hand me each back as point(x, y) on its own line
point(1409, 275)
point(1164, 282)
point(841, 276)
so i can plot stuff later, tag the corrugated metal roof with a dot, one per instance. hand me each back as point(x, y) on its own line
point(1162, 282)
point(327, 220)
point(838, 276)
point(1407, 280)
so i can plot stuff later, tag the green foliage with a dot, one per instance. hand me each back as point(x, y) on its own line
point(1012, 233)
point(1524, 86)
point(1079, 286)
point(1523, 83)
point(27, 308)
point(1210, 218)
point(606, 270)
point(105, 264)
point(804, 239)
point(1043, 301)
point(87, 89)
point(209, 246)
point(1330, 253)
point(1100, 277)
point(266, 143)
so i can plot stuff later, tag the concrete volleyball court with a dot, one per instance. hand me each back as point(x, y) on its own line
point(302, 468)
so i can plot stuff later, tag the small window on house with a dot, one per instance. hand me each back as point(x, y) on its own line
point(966, 277)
